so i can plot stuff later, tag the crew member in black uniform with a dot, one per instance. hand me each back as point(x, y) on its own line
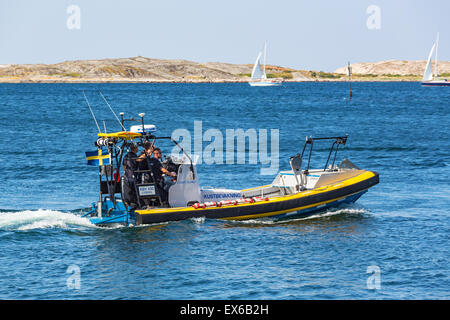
point(166, 169)
point(130, 166)
point(157, 170)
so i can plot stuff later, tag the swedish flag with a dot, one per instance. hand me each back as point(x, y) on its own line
point(98, 158)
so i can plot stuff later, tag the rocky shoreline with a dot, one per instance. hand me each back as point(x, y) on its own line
point(148, 70)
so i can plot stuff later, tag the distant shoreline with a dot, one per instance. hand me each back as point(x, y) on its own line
point(190, 82)
point(149, 70)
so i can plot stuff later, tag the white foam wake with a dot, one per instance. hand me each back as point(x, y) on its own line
point(198, 220)
point(334, 212)
point(41, 219)
point(325, 214)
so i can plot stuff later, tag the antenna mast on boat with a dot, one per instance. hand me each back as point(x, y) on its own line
point(115, 115)
point(92, 113)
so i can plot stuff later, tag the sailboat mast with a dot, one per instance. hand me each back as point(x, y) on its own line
point(265, 55)
point(436, 58)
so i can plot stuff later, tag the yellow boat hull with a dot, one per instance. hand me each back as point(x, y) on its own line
point(348, 190)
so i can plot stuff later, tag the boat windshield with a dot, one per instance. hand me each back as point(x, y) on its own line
point(347, 164)
point(184, 159)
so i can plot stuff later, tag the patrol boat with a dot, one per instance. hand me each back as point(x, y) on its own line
point(294, 192)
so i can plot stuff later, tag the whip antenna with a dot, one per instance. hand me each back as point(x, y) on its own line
point(92, 113)
point(115, 115)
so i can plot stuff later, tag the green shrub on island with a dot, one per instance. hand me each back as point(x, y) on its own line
point(328, 75)
point(368, 75)
point(284, 75)
point(72, 75)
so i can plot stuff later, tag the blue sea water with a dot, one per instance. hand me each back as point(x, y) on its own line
point(400, 227)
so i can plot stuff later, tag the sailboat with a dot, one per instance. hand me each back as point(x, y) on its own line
point(431, 79)
point(259, 77)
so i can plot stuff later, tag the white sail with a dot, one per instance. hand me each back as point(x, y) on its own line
point(436, 58)
point(257, 73)
point(265, 56)
point(428, 74)
point(259, 77)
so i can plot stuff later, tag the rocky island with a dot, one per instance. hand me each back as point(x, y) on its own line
point(142, 69)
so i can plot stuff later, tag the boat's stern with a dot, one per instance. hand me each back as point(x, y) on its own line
point(109, 213)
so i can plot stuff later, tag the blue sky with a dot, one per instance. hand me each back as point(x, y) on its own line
point(315, 35)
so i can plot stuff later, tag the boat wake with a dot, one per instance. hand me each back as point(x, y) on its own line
point(48, 219)
point(199, 220)
point(41, 219)
point(330, 213)
point(325, 214)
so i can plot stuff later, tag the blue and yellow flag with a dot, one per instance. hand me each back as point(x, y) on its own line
point(98, 158)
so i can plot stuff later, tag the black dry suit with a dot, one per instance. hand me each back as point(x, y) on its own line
point(128, 186)
point(155, 167)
